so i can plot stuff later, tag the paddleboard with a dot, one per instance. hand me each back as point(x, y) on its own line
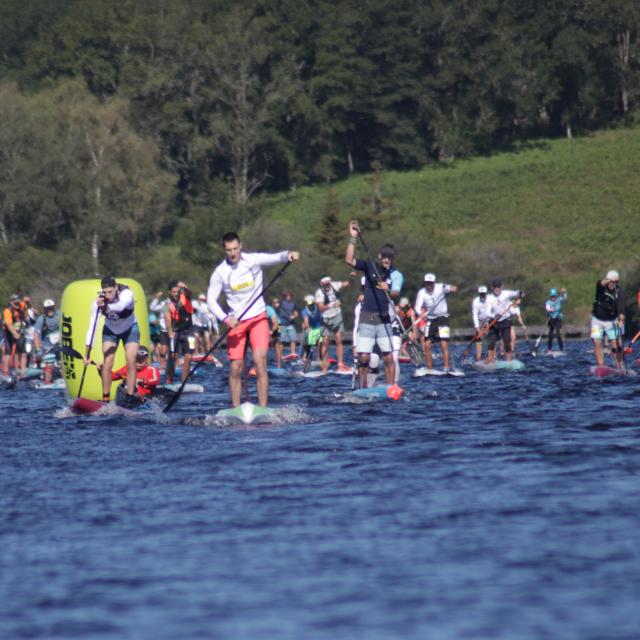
point(499, 365)
point(342, 372)
point(7, 381)
point(425, 371)
point(317, 373)
point(247, 413)
point(605, 372)
point(380, 392)
point(555, 354)
point(456, 373)
point(188, 388)
point(289, 357)
point(58, 384)
point(83, 406)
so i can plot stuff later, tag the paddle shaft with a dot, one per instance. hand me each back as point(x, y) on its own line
point(93, 333)
point(221, 338)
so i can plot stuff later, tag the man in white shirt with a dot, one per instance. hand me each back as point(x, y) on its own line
point(500, 304)
point(481, 317)
point(327, 298)
point(239, 277)
point(431, 305)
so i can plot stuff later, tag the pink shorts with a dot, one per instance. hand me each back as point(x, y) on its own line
point(258, 331)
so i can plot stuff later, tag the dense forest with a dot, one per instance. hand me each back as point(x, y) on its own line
point(133, 133)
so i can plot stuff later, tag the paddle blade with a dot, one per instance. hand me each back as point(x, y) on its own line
point(415, 354)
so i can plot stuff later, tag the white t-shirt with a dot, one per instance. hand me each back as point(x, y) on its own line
point(113, 320)
point(434, 302)
point(480, 311)
point(500, 306)
point(241, 284)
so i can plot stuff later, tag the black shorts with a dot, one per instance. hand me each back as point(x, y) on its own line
point(163, 339)
point(184, 342)
point(438, 330)
point(20, 343)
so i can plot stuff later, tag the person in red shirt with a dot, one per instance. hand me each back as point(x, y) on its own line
point(147, 376)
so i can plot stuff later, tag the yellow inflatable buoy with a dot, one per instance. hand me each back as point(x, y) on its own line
point(74, 314)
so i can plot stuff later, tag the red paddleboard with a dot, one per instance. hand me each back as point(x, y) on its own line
point(84, 406)
point(603, 372)
point(289, 357)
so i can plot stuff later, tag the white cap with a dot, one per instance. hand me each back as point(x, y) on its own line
point(325, 280)
point(404, 302)
point(48, 303)
point(309, 299)
point(482, 289)
point(429, 277)
point(612, 275)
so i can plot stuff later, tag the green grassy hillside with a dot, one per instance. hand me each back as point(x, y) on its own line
point(553, 213)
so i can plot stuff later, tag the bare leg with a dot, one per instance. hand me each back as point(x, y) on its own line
point(339, 349)
point(389, 367)
point(235, 381)
point(131, 350)
point(262, 376)
point(109, 354)
point(445, 353)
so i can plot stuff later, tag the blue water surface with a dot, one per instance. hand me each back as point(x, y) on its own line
point(498, 506)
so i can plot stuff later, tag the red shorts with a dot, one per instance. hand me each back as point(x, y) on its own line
point(258, 331)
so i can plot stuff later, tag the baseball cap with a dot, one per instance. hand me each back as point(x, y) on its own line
point(612, 275)
point(429, 277)
point(482, 289)
point(14, 297)
point(48, 303)
point(496, 283)
point(404, 302)
point(387, 252)
point(309, 299)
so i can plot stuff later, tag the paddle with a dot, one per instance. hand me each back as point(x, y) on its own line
point(415, 352)
point(526, 338)
point(93, 333)
point(220, 339)
point(476, 336)
point(629, 349)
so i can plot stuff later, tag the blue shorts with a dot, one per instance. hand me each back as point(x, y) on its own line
point(132, 334)
point(288, 333)
point(372, 334)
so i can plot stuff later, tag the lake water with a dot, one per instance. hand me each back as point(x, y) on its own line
point(494, 506)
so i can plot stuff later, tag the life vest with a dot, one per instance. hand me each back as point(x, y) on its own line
point(180, 313)
point(605, 303)
point(336, 293)
point(18, 318)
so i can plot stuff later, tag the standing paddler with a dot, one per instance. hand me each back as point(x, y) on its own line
point(607, 317)
point(500, 304)
point(375, 322)
point(239, 277)
point(116, 303)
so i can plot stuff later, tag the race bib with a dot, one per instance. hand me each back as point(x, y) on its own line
point(54, 337)
point(192, 342)
point(244, 284)
point(444, 333)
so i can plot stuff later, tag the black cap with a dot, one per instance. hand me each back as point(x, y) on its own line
point(143, 352)
point(387, 252)
point(496, 283)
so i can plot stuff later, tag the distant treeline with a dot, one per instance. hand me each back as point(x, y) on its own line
point(126, 126)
